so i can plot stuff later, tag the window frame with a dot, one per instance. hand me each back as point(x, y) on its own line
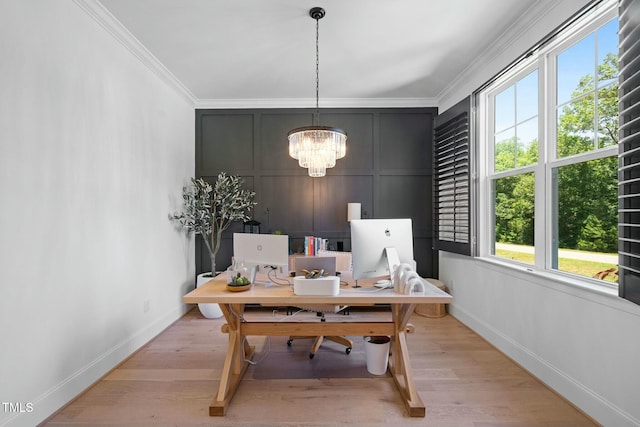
point(544, 59)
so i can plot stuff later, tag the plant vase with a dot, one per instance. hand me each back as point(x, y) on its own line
point(208, 310)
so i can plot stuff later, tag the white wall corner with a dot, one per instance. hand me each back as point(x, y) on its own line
point(102, 16)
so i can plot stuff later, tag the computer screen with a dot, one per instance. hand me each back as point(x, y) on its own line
point(370, 238)
point(262, 249)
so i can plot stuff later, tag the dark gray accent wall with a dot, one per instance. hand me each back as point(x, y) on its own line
point(387, 168)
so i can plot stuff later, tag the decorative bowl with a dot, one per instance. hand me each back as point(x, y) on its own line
point(240, 288)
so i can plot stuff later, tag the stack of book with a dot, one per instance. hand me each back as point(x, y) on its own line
point(313, 245)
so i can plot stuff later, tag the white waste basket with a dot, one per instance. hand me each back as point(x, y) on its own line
point(377, 352)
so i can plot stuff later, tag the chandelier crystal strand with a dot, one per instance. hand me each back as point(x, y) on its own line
point(317, 147)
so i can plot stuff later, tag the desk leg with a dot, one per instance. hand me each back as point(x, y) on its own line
point(400, 363)
point(235, 363)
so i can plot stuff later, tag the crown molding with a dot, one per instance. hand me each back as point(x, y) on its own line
point(512, 35)
point(310, 103)
point(102, 16)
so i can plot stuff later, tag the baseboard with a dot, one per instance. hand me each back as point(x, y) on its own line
point(51, 401)
point(584, 399)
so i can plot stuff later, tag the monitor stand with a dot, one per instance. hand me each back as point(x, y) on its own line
point(253, 270)
point(393, 261)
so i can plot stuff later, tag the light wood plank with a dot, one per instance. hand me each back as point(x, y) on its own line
point(463, 381)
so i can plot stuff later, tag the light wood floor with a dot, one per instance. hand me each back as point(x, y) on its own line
point(463, 381)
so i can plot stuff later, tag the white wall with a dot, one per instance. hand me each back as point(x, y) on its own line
point(582, 343)
point(94, 150)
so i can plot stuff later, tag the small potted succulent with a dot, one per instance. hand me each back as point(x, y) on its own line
point(238, 282)
point(238, 276)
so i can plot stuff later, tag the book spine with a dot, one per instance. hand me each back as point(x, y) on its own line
point(314, 245)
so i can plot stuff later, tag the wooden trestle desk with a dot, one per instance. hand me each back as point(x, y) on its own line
point(239, 350)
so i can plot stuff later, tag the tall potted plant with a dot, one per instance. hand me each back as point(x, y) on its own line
point(209, 210)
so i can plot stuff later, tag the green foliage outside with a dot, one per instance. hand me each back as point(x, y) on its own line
point(570, 265)
point(586, 192)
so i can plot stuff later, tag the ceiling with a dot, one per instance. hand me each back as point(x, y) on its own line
point(249, 52)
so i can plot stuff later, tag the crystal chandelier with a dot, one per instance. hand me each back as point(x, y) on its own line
point(317, 147)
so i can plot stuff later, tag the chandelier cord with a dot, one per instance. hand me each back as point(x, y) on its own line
point(318, 70)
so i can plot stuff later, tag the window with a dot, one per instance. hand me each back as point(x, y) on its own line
point(514, 137)
point(548, 170)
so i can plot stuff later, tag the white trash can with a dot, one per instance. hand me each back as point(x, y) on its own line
point(377, 352)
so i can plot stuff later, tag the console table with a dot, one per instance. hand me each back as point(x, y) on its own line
point(239, 350)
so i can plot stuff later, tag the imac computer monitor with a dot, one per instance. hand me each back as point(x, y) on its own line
point(270, 250)
point(370, 239)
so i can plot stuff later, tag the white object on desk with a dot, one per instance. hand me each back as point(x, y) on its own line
point(383, 284)
point(406, 278)
point(414, 286)
point(398, 276)
point(329, 285)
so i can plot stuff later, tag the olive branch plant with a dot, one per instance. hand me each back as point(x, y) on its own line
point(209, 210)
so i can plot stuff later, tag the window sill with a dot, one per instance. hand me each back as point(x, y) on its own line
point(585, 289)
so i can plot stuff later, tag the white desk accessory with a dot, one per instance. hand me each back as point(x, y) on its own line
point(398, 277)
point(328, 285)
point(404, 282)
point(415, 286)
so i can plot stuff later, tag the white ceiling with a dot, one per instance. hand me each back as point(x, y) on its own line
point(252, 51)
